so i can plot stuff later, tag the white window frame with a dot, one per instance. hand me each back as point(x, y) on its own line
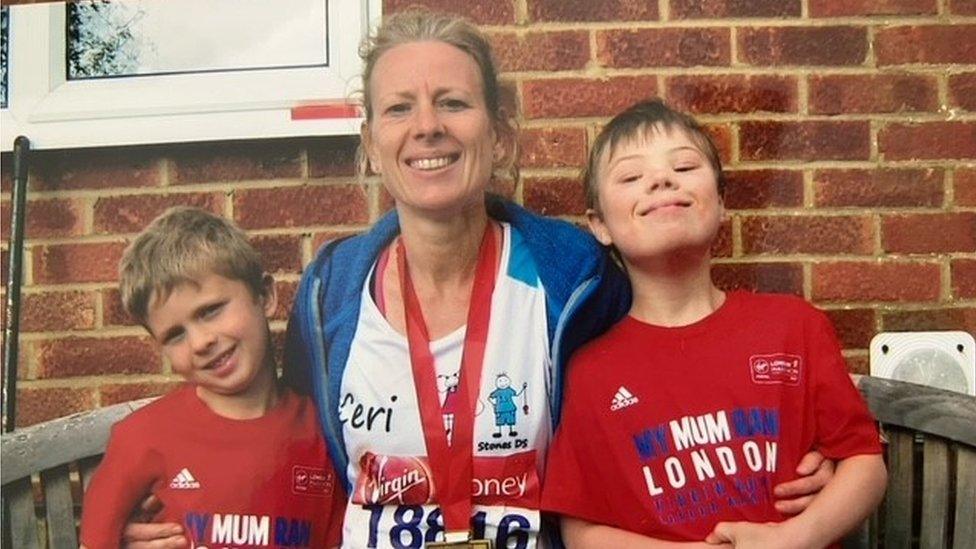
point(55, 113)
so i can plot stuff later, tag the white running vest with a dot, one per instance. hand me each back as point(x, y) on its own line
point(380, 418)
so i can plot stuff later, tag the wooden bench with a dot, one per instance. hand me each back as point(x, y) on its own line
point(41, 466)
point(931, 499)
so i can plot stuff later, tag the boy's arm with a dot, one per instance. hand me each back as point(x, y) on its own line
point(581, 534)
point(845, 502)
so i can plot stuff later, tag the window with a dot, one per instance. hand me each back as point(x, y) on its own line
point(110, 72)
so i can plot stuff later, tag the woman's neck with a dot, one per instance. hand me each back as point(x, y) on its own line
point(442, 253)
point(442, 256)
point(676, 291)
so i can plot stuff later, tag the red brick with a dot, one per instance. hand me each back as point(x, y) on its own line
point(108, 168)
point(875, 93)
point(588, 10)
point(964, 187)
point(876, 281)
point(964, 278)
point(132, 213)
point(929, 233)
point(929, 140)
point(38, 404)
point(52, 218)
point(579, 97)
point(721, 135)
point(332, 156)
point(117, 393)
point(6, 172)
point(926, 320)
point(952, 43)
point(807, 235)
point(722, 245)
point(4, 270)
point(962, 90)
point(833, 8)
point(962, 7)
point(541, 51)
point(113, 313)
point(64, 263)
point(278, 346)
point(879, 187)
point(723, 9)
point(815, 140)
point(286, 298)
point(54, 311)
point(279, 253)
point(828, 46)
point(237, 161)
point(555, 196)
point(487, 12)
point(552, 147)
point(668, 47)
point(858, 364)
point(746, 189)
point(779, 278)
point(733, 93)
point(318, 239)
point(301, 206)
point(855, 327)
point(86, 356)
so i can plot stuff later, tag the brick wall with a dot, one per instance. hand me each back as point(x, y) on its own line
point(848, 128)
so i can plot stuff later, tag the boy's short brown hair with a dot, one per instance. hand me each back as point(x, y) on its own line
point(182, 245)
point(640, 118)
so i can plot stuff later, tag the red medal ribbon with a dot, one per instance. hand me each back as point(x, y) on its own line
point(451, 465)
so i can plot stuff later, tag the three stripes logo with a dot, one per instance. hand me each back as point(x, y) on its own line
point(184, 481)
point(622, 399)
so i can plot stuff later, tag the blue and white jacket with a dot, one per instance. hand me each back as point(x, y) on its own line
point(585, 294)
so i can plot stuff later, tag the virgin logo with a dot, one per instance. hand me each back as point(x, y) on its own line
point(407, 480)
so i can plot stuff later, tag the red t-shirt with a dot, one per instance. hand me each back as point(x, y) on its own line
point(264, 482)
point(668, 431)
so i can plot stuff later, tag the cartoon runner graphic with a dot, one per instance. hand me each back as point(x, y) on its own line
point(503, 400)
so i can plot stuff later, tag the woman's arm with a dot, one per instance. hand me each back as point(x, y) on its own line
point(814, 472)
point(854, 491)
point(581, 534)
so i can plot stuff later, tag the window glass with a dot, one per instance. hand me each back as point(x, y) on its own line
point(110, 38)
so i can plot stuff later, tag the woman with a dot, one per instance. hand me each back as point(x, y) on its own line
point(434, 343)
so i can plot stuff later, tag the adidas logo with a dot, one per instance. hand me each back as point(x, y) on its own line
point(622, 399)
point(184, 481)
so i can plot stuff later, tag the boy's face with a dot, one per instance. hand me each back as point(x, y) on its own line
point(215, 333)
point(658, 194)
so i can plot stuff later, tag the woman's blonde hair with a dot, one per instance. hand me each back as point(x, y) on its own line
point(419, 25)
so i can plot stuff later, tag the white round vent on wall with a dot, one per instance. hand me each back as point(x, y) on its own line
point(945, 360)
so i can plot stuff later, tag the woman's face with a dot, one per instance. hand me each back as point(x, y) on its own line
point(431, 137)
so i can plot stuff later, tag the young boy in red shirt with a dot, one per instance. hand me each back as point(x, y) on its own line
point(235, 458)
point(679, 421)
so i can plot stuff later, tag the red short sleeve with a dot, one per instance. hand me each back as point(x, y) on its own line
point(573, 483)
point(844, 425)
point(125, 476)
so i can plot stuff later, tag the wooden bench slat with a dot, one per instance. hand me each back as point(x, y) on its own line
point(86, 468)
point(60, 509)
point(935, 494)
point(23, 523)
point(964, 535)
point(898, 500)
